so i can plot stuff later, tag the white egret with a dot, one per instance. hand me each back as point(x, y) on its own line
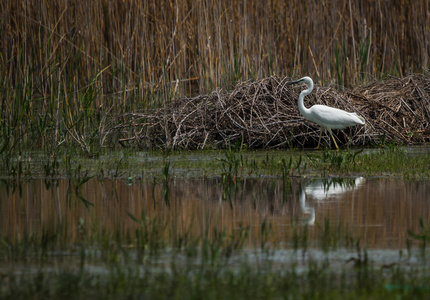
point(326, 117)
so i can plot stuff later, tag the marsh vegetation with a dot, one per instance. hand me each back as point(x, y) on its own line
point(72, 75)
point(134, 157)
point(254, 223)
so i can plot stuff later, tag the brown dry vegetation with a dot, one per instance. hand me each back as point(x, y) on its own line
point(265, 114)
point(214, 41)
point(65, 65)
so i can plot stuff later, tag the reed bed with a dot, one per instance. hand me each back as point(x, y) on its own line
point(399, 107)
point(264, 114)
point(205, 43)
point(66, 66)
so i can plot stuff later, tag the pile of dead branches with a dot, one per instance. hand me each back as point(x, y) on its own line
point(264, 114)
point(398, 108)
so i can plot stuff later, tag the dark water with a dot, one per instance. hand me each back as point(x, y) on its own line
point(378, 212)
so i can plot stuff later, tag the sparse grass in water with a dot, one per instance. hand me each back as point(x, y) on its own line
point(143, 258)
point(423, 236)
point(230, 165)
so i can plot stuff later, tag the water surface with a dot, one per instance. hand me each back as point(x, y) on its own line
point(377, 212)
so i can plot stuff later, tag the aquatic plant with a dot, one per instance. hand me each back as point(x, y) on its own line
point(423, 236)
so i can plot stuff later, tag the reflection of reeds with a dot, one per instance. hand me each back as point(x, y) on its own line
point(131, 241)
point(256, 214)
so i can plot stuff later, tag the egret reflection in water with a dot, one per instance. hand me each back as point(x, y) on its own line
point(308, 212)
point(323, 189)
point(384, 210)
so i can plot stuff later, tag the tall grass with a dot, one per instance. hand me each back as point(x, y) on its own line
point(65, 65)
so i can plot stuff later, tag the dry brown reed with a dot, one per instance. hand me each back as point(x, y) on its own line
point(198, 45)
point(66, 65)
point(264, 114)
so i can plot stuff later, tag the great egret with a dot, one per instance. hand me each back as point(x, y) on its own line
point(327, 117)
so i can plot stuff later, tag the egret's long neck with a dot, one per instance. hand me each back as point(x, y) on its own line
point(303, 110)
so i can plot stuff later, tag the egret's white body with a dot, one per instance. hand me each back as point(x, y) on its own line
point(325, 116)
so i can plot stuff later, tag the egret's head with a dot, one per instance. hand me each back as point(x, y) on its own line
point(305, 79)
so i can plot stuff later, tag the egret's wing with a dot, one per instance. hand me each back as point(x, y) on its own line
point(330, 117)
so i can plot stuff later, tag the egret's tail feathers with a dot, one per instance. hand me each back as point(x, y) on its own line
point(360, 118)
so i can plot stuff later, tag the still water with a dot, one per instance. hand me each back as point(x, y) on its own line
point(378, 212)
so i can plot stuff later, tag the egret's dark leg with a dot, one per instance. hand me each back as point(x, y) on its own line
point(329, 130)
point(319, 140)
